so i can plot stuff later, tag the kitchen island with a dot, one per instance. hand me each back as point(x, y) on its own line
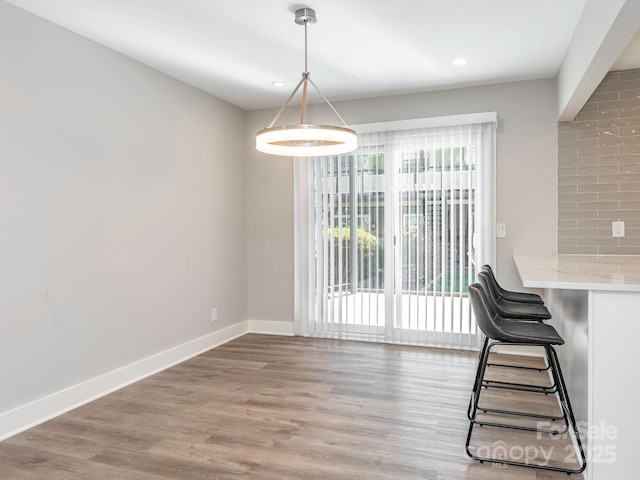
point(595, 303)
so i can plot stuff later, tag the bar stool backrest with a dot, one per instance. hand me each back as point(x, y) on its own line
point(491, 277)
point(521, 297)
point(485, 316)
point(489, 286)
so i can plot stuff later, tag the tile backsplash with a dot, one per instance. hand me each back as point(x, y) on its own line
point(599, 170)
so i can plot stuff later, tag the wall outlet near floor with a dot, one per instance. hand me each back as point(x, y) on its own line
point(617, 229)
point(214, 314)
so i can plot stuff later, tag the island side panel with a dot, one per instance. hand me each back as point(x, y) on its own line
point(615, 427)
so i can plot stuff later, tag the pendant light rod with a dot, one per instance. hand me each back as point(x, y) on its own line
point(305, 77)
point(306, 68)
point(326, 100)
point(286, 104)
point(304, 98)
point(305, 74)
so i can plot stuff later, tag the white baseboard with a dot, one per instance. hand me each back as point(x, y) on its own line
point(29, 415)
point(267, 327)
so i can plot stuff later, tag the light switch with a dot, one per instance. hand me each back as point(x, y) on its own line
point(501, 230)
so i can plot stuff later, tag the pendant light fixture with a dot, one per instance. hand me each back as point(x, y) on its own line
point(306, 139)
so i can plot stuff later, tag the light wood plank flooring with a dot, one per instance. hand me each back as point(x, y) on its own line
point(266, 407)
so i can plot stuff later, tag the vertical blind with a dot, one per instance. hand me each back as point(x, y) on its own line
point(393, 237)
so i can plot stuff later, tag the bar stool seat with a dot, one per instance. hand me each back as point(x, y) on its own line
point(525, 333)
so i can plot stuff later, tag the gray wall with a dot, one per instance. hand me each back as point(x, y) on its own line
point(526, 180)
point(122, 209)
point(599, 170)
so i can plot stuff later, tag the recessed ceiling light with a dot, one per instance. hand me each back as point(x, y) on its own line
point(278, 83)
point(458, 62)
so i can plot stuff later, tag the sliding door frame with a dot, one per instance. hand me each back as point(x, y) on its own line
point(305, 312)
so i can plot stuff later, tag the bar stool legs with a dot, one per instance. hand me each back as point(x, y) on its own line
point(480, 383)
point(560, 392)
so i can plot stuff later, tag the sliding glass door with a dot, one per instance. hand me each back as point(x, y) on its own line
point(393, 238)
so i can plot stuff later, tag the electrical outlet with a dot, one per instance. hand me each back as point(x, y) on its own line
point(617, 229)
point(214, 314)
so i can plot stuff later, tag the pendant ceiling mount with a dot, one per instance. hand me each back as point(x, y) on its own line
point(306, 139)
point(305, 15)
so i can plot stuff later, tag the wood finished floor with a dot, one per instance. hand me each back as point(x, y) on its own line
point(265, 407)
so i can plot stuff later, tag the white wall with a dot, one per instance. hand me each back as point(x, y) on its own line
point(526, 180)
point(122, 210)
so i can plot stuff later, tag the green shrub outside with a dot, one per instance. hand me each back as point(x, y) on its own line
point(367, 248)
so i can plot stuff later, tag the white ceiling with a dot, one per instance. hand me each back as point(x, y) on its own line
point(359, 48)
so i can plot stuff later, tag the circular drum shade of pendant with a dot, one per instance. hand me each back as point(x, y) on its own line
point(306, 140)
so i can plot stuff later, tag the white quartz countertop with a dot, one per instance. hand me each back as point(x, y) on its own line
point(579, 272)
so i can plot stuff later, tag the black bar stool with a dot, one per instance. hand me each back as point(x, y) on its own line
point(512, 310)
point(501, 331)
point(522, 297)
